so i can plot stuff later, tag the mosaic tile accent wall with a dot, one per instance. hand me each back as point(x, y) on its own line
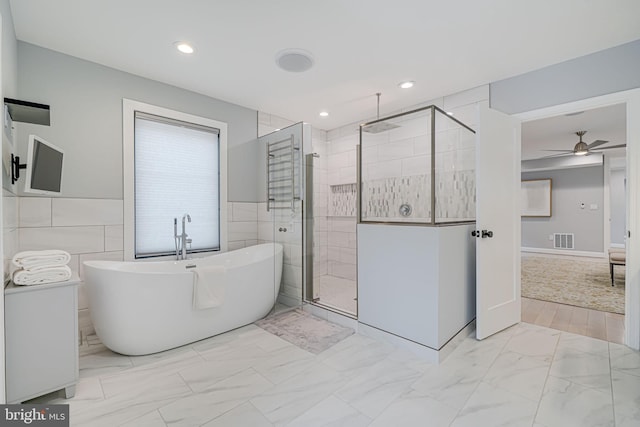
point(382, 198)
point(456, 196)
point(343, 200)
point(455, 201)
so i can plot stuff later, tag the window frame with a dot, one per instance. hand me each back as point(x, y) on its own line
point(129, 108)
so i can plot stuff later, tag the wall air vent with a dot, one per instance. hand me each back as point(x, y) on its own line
point(563, 240)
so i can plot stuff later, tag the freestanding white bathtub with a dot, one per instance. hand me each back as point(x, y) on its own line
point(145, 307)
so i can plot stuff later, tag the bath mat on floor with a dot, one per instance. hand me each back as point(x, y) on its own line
point(304, 330)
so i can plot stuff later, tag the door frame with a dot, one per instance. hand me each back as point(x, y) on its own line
point(631, 98)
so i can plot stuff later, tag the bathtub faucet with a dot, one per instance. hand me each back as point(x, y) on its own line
point(181, 239)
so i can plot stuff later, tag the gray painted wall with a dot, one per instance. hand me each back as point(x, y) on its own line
point(618, 206)
point(608, 71)
point(9, 68)
point(570, 188)
point(86, 120)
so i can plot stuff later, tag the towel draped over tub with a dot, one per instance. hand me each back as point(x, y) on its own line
point(209, 283)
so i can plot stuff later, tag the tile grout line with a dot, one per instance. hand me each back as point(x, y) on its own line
point(613, 401)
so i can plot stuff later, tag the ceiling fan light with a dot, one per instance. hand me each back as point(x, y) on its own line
point(581, 148)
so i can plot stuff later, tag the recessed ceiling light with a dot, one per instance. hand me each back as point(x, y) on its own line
point(184, 47)
point(406, 85)
point(294, 60)
point(323, 114)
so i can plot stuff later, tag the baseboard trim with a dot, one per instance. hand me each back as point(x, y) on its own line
point(564, 252)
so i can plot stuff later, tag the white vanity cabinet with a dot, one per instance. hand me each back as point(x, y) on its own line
point(41, 339)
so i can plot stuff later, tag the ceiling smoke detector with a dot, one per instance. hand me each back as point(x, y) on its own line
point(294, 60)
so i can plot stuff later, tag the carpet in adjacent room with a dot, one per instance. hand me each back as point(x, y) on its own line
point(578, 281)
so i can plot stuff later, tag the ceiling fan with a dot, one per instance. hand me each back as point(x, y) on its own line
point(584, 149)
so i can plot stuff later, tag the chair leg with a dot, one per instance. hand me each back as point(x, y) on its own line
point(611, 270)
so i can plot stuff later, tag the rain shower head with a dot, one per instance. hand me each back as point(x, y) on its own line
point(378, 126)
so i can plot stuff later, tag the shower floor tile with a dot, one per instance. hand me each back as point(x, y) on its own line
point(338, 293)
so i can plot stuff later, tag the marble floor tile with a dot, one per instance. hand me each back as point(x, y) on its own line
point(566, 404)
point(152, 419)
point(237, 335)
point(415, 409)
point(372, 391)
point(331, 412)
point(233, 351)
point(477, 353)
point(355, 353)
point(533, 342)
point(103, 362)
point(284, 363)
point(587, 369)
point(158, 358)
point(245, 415)
point(493, 406)
point(626, 398)
point(450, 383)
point(624, 359)
point(231, 361)
point(199, 408)
point(521, 375)
point(583, 344)
point(130, 404)
point(292, 398)
point(114, 384)
point(251, 378)
point(268, 341)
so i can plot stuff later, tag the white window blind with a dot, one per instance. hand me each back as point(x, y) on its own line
point(176, 172)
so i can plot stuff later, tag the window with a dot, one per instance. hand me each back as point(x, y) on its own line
point(175, 164)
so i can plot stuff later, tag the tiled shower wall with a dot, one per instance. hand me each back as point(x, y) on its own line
point(92, 229)
point(341, 193)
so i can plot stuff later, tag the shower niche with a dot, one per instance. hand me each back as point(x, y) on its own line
point(416, 214)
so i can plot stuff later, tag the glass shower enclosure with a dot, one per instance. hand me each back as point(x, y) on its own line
point(417, 203)
point(416, 168)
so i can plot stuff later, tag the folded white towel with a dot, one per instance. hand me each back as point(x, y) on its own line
point(42, 276)
point(209, 283)
point(35, 260)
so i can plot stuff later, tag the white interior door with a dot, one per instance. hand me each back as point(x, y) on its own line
point(498, 222)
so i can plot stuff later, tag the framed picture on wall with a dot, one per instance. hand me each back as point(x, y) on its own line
point(536, 198)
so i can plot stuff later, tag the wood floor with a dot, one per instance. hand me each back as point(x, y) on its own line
point(578, 320)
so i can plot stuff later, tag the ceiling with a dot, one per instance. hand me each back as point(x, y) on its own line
point(559, 133)
point(360, 47)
